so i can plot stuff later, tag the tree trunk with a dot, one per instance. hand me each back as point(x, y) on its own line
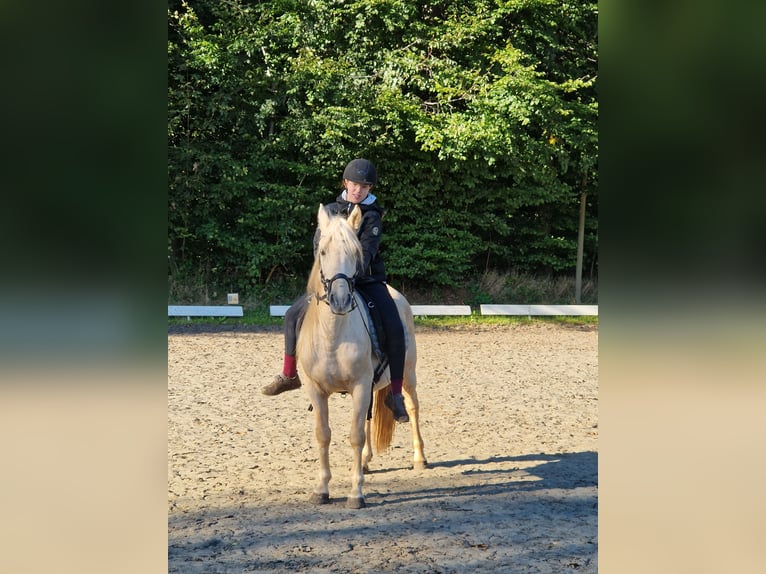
point(580, 244)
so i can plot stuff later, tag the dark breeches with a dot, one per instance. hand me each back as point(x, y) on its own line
point(392, 324)
point(293, 320)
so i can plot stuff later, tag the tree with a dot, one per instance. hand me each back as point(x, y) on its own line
point(481, 116)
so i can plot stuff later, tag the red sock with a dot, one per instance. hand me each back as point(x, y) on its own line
point(396, 386)
point(289, 368)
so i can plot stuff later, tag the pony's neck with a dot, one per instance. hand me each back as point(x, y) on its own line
point(314, 286)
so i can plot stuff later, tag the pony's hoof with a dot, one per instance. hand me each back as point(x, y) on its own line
point(420, 465)
point(355, 503)
point(323, 498)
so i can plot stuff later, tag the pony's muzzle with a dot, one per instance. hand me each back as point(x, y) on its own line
point(341, 304)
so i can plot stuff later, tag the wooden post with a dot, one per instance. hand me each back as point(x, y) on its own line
point(580, 244)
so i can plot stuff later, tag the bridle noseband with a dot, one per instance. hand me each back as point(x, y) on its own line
point(327, 284)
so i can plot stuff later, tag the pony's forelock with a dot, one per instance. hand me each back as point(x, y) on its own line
point(340, 233)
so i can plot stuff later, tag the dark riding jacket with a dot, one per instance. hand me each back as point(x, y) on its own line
point(373, 269)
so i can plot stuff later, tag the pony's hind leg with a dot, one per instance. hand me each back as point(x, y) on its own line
point(367, 450)
point(323, 434)
point(413, 409)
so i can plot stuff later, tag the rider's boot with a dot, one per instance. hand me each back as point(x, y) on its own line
point(396, 404)
point(280, 384)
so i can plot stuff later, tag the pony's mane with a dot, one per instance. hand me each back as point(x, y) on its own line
point(339, 235)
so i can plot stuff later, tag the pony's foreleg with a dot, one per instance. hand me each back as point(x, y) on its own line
point(413, 409)
point(357, 439)
point(323, 434)
point(367, 450)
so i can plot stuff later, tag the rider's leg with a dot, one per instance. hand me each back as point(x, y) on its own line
point(394, 344)
point(288, 380)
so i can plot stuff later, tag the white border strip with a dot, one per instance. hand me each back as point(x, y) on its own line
point(418, 310)
point(278, 310)
point(549, 310)
point(422, 310)
point(205, 311)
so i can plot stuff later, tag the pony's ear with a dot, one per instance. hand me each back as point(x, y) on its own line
point(355, 219)
point(323, 218)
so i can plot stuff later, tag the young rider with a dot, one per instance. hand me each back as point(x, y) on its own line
point(359, 177)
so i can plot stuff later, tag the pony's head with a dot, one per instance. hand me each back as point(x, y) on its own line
point(337, 257)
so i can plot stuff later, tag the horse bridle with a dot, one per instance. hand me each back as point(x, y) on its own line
point(327, 284)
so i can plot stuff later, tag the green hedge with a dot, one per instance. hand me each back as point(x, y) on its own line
point(480, 116)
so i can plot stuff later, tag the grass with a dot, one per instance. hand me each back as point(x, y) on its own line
point(257, 317)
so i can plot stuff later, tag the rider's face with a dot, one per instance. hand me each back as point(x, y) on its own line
point(356, 192)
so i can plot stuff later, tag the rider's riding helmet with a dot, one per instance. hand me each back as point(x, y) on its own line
point(361, 171)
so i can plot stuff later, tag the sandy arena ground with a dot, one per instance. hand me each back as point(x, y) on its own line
point(510, 424)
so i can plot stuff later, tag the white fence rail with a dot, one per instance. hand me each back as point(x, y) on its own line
point(549, 310)
point(423, 310)
point(205, 311)
point(417, 310)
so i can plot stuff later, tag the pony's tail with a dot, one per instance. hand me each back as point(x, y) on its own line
point(382, 422)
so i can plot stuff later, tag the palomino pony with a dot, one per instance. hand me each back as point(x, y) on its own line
point(335, 355)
